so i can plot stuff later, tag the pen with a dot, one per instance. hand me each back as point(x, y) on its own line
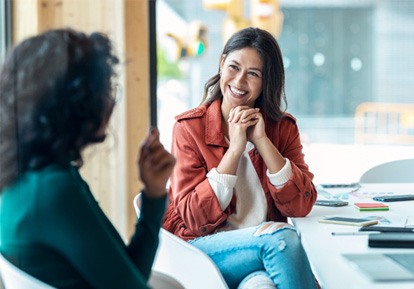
point(354, 233)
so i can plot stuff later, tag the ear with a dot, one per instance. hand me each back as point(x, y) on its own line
point(222, 59)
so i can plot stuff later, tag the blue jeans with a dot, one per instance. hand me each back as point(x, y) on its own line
point(239, 253)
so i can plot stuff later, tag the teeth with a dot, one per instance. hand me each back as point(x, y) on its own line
point(236, 91)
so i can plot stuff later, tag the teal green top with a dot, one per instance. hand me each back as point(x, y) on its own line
point(52, 227)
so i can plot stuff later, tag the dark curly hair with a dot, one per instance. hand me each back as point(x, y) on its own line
point(55, 95)
point(272, 97)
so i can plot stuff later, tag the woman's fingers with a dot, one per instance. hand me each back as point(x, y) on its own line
point(243, 114)
point(155, 164)
point(154, 154)
point(158, 158)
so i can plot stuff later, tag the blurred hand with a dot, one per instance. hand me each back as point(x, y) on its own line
point(155, 165)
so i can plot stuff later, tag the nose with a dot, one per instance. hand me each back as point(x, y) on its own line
point(241, 77)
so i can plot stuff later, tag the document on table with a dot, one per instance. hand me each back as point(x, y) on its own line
point(388, 220)
point(339, 193)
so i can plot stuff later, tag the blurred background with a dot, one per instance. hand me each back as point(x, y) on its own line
point(349, 75)
point(349, 71)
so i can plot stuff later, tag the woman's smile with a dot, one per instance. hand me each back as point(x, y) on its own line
point(237, 92)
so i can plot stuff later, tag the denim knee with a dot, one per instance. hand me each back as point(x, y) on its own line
point(281, 238)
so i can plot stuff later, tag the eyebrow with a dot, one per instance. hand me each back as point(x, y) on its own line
point(252, 68)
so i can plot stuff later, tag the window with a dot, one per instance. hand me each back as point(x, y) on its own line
point(5, 36)
point(328, 50)
point(349, 70)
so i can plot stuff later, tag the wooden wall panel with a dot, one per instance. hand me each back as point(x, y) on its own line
point(137, 83)
point(25, 19)
point(110, 168)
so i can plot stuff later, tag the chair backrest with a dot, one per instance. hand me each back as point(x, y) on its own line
point(399, 171)
point(14, 278)
point(1, 281)
point(184, 262)
point(160, 280)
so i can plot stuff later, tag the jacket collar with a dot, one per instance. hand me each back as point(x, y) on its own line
point(214, 121)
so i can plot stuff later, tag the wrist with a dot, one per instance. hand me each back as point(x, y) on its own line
point(154, 192)
point(261, 142)
point(233, 152)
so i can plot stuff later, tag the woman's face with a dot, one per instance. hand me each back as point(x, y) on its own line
point(241, 78)
point(101, 132)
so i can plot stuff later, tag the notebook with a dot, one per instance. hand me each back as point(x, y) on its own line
point(384, 266)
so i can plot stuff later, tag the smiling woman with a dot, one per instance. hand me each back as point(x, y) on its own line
point(241, 171)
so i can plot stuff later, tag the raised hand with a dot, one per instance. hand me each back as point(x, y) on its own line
point(155, 165)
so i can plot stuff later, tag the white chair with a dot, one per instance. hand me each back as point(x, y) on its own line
point(399, 171)
point(184, 262)
point(14, 278)
point(160, 280)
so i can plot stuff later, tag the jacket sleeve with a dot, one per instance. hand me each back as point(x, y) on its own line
point(194, 199)
point(297, 196)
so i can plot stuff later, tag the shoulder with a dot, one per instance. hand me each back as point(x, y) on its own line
point(46, 191)
point(287, 117)
point(285, 125)
point(45, 179)
point(57, 184)
point(192, 113)
point(57, 174)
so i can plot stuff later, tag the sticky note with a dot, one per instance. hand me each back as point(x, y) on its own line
point(371, 206)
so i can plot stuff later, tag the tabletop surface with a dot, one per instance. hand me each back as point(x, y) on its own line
point(325, 250)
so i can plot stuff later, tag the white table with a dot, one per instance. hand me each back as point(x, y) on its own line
point(325, 250)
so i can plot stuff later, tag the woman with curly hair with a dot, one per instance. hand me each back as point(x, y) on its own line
point(56, 98)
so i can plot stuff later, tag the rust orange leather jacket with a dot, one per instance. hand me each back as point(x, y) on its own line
point(199, 145)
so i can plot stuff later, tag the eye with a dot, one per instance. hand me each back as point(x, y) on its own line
point(233, 67)
point(254, 74)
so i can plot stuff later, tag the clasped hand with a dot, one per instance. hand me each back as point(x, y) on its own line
point(245, 124)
